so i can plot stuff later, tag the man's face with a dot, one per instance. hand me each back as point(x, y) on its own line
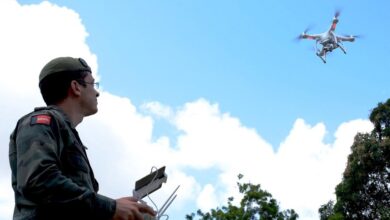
point(89, 96)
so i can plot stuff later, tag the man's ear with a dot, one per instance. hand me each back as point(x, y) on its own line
point(75, 88)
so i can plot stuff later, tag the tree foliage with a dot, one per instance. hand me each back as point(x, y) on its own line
point(364, 192)
point(327, 212)
point(255, 204)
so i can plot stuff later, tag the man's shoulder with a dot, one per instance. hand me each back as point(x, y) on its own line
point(30, 123)
point(41, 116)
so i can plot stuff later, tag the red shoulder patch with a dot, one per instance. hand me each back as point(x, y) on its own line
point(41, 119)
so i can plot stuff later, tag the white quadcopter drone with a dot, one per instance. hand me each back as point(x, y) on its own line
point(329, 39)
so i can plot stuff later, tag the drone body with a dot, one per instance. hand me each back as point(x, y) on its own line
point(329, 40)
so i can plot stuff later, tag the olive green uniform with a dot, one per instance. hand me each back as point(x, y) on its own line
point(51, 174)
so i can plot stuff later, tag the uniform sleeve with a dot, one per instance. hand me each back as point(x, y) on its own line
point(41, 181)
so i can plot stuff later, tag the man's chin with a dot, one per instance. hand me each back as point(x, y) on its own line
point(92, 112)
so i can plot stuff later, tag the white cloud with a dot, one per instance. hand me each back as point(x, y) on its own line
point(6, 198)
point(301, 174)
point(212, 138)
point(207, 198)
point(310, 169)
point(158, 109)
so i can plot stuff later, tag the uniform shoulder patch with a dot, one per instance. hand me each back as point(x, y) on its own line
point(42, 119)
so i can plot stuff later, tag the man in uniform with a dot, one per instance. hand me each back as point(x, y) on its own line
point(51, 175)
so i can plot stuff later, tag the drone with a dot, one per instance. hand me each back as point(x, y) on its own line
point(329, 40)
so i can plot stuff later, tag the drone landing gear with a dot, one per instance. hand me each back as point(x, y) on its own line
point(342, 48)
point(322, 57)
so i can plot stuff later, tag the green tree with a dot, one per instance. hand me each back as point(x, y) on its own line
point(255, 204)
point(327, 212)
point(364, 192)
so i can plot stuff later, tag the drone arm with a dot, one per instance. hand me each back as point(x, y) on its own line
point(346, 38)
point(334, 21)
point(334, 24)
point(311, 36)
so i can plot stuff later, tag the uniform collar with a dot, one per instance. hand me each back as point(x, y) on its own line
point(59, 110)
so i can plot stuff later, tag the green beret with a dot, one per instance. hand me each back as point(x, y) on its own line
point(64, 64)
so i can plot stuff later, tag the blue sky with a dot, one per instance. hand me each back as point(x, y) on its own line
point(241, 54)
point(177, 69)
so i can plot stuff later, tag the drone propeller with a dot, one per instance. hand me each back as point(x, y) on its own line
point(351, 38)
point(304, 34)
point(337, 14)
point(354, 36)
point(307, 29)
point(300, 37)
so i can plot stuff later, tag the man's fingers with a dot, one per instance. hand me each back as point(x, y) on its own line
point(147, 209)
point(133, 199)
point(142, 207)
point(138, 216)
point(139, 208)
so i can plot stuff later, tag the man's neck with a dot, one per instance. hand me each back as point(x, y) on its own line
point(73, 114)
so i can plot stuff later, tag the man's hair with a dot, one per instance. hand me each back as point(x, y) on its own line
point(54, 88)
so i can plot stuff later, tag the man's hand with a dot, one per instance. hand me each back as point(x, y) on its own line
point(128, 208)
